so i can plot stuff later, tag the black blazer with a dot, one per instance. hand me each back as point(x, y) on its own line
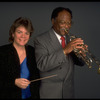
point(10, 70)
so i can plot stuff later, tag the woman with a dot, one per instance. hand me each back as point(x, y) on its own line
point(17, 63)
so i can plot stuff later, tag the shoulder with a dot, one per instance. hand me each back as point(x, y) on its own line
point(5, 47)
point(43, 36)
point(29, 48)
point(5, 50)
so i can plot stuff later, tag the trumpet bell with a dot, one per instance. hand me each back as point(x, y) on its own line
point(89, 58)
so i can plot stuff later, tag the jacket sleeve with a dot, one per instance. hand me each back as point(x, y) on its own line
point(7, 69)
point(47, 60)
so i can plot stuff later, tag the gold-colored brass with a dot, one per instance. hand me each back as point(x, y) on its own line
point(89, 58)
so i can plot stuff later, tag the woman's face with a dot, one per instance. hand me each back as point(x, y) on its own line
point(21, 36)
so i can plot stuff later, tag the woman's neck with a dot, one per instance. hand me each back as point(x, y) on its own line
point(18, 47)
point(21, 52)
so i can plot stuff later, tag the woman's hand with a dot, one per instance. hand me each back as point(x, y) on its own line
point(22, 83)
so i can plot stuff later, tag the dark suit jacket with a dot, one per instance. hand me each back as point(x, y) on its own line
point(50, 61)
point(10, 70)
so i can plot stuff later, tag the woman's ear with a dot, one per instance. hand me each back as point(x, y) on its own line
point(13, 35)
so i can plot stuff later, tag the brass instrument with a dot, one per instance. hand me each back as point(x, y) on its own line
point(89, 58)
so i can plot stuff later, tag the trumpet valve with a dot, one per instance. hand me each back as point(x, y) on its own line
point(90, 66)
point(99, 70)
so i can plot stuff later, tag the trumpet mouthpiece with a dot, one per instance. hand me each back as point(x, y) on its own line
point(66, 30)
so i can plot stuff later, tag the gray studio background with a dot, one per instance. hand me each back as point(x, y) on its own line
point(86, 18)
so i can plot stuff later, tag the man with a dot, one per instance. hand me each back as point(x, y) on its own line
point(53, 59)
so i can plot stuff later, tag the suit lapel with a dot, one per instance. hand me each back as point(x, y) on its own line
point(54, 41)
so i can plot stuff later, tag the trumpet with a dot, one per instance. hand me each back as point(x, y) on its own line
point(88, 58)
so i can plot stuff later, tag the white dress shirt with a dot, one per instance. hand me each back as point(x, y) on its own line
point(58, 37)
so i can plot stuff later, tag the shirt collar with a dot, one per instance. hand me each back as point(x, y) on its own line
point(58, 36)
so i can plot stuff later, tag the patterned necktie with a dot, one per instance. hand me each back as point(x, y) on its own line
point(63, 41)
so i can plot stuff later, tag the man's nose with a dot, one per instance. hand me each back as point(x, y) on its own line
point(67, 26)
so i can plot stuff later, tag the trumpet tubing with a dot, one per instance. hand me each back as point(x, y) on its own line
point(89, 58)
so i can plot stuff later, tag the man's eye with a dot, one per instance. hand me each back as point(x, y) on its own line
point(62, 22)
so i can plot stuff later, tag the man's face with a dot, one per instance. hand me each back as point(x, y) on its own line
point(62, 22)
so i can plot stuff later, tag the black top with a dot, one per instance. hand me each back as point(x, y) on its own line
point(10, 70)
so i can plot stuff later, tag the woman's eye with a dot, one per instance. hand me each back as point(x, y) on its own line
point(19, 32)
point(27, 33)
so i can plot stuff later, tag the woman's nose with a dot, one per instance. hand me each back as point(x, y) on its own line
point(23, 35)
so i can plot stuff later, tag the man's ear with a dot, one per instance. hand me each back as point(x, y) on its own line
point(52, 21)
